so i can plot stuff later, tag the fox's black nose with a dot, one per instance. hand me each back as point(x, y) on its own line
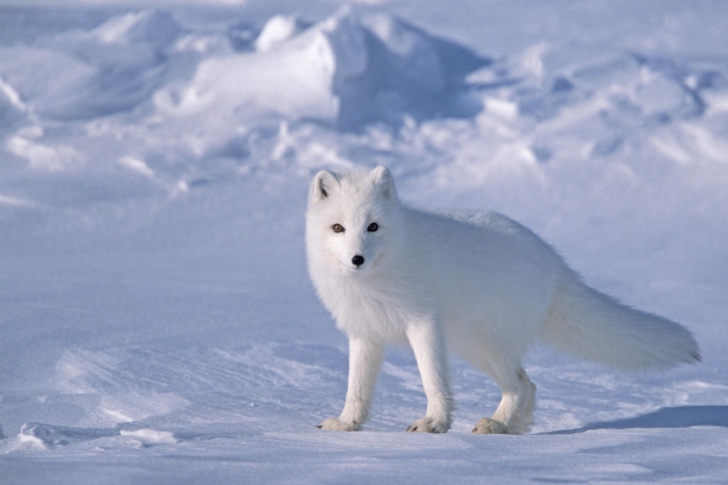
point(357, 260)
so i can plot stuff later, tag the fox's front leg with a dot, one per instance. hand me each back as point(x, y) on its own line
point(365, 360)
point(428, 345)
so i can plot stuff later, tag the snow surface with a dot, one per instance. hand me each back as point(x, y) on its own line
point(157, 322)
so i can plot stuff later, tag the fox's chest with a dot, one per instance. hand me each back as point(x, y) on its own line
point(375, 308)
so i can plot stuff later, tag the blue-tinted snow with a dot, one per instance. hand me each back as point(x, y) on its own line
point(157, 320)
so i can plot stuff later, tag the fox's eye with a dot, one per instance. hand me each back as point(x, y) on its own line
point(373, 227)
point(337, 228)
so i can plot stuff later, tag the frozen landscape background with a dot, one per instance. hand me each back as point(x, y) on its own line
point(157, 324)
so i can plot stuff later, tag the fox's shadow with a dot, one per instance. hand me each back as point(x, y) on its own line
point(673, 417)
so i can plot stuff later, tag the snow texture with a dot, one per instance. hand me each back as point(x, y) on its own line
point(158, 324)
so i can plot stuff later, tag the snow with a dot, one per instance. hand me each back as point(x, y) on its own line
point(157, 320)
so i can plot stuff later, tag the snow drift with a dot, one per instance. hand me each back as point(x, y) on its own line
point(348, 70)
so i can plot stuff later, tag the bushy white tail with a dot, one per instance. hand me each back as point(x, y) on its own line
point(591, 325)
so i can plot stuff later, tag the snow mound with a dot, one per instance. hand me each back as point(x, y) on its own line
point(87, 74)
point(277, 30)
point(348, 70)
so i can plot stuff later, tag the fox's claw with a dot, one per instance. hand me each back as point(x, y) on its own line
point(428, 425)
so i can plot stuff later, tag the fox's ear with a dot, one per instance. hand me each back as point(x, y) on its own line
point(322, 186)
point(383, 179)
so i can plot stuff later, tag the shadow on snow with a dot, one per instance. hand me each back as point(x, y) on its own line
point(673, 417)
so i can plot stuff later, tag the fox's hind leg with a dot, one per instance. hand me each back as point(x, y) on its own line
point(515, 410)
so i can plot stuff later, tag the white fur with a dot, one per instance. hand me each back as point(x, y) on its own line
point(477, 283)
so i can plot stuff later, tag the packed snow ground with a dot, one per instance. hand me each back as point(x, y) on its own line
point(157, 322)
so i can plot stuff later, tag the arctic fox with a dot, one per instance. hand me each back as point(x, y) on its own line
point(479, 284)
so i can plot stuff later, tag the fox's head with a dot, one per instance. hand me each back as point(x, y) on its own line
point(353, 218)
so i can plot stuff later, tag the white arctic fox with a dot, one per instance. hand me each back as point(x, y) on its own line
point(480, 284)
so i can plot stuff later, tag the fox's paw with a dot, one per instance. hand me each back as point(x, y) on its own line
point(335, 424)
point(490, 426)
point(429, 425)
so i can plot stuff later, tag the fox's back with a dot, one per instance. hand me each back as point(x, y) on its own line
point(484, 272)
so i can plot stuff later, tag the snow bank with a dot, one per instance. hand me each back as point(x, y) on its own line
point(347, 70)
point(84, 75)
